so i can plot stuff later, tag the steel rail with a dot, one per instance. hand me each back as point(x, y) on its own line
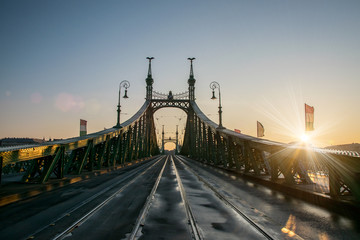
point(141, 218)
point(228, 202)
point(191, 218)
point(102, 204)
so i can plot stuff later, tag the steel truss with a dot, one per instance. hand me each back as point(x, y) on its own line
point(109, 148)
point(205, 142)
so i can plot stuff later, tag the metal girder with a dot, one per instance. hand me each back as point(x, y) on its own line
point(117, 151)
point(50, 165)
point(105, 148)
point(85, 157)
point(70, 161)
point(230, 152)
point(33, 169)
point(238, 158)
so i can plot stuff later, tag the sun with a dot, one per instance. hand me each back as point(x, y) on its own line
point(305, 138)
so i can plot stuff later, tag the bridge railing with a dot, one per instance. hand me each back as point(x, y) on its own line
point(136, 139)
point(291, 163)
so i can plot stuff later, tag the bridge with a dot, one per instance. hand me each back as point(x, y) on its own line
point(116, 183)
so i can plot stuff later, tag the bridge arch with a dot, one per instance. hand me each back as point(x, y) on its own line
point(167, 144)
point(183, 105)
point(161, 100)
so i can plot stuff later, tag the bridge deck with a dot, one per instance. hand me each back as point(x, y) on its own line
point(219, 203)
point(12, 190)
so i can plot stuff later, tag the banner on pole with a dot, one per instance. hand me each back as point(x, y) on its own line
point(309, 118)
point(83, 131)
point(260, 129)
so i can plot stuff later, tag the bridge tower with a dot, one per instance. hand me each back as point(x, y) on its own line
point(181, 100)
point(149, 81)
point(191, 81)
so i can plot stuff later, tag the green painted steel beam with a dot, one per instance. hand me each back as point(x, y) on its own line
point(29, 171)
point(50, 165)
point(104, 150)
point(84, 158)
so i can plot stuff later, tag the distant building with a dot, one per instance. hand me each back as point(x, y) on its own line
point(346, 147)
point(8, 142)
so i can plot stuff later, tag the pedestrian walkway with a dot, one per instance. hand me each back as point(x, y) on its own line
point(13, 190)
point(317, 192)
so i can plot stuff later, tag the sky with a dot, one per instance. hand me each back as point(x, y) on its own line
point(62, 60)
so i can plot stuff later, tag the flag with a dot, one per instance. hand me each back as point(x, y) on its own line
point(83, 127)
point(309, 118)
point(260, 129)
point(237, 130)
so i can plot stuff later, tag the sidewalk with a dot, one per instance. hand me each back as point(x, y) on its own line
point(317, 193)
point(12, 190)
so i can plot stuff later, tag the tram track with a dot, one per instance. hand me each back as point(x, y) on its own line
point(145, 227)
point(148, 214)
point(189, 212)
point(227, 202)
point(140, 220)
point(132, 176)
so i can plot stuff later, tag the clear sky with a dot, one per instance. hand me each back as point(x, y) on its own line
point(62, 60)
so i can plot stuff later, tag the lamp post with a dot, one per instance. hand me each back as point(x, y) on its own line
point(214, 85)
point(126, 85)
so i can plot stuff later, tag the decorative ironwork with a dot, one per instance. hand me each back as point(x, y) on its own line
point(182, 104)
point(163, 96)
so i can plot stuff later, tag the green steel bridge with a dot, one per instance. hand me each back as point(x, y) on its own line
point(205, 142)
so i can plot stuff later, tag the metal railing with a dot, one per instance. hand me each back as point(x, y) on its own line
point(136, 139)
point(294, 163)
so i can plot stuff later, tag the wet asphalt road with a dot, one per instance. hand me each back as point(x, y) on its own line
point(278, 212)
point(166, 218)
point(120, 197)
point(50, 213)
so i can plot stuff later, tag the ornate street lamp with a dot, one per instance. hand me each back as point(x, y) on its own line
point(214, 85)
point(126, 85)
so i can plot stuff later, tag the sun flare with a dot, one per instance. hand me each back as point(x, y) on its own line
point(305, 138)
